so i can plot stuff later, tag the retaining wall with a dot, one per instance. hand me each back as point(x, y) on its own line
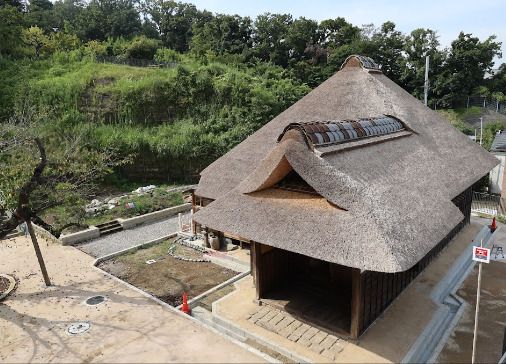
point(90, 233)
point(153, 216)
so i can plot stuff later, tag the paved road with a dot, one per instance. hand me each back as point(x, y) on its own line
point(127, 238)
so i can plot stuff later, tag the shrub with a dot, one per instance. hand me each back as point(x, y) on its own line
point(142, 48)
point(167, 55)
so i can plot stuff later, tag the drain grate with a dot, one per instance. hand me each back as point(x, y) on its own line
point(78, 328)
point(95, 300)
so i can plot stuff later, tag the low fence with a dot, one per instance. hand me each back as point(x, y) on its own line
point(485, 203)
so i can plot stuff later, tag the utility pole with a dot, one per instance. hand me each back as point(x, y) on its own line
point(426, 83)
point(481, 131)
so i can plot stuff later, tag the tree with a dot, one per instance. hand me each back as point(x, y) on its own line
point(10, 29)
point(270, 38)
point(40, 14)
point(223, 34)
point(43, 171)
point(465, 67)
point(34, 37)
point(419, 44)
point(103, 19)
point(175, 21)
point(67, 13)
point(337, 32)
point(387, 45)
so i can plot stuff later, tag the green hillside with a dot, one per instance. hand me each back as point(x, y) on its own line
point(172, 120)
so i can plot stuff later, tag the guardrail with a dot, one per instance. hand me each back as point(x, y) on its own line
point(485, 203)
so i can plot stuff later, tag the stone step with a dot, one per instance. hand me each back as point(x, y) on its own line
point(113, 223)
point(110, 230)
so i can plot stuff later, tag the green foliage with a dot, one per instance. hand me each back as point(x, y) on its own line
point(455, 118)
point(10, 30)
point(489, 132)
point(142, 47)
point(167, 55)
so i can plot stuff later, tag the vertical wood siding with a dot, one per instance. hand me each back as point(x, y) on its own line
point(380, 289)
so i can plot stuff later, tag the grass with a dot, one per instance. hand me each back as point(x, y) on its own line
point(138, 261)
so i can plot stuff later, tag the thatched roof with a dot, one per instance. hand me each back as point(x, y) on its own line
point(381, 202)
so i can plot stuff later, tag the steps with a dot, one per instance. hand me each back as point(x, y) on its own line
point(109, 227)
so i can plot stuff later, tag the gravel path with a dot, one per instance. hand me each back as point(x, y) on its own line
point(127, 238)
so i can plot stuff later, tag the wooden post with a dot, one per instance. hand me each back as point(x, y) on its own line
point(193, 225)
point(356, 303)
point(257, 269)
point(38, 253)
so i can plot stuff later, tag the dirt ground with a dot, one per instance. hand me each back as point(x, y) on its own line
point(128, 327)
point(492, 318)
point(169, 277)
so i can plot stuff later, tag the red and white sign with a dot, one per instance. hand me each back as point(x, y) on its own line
point(481, 254)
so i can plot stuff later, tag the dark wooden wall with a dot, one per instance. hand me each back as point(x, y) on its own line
point(380, 289)
point(276, 266)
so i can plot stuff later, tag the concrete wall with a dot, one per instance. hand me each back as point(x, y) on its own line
point(153, 216)
point(497, 175)
point(90, 233)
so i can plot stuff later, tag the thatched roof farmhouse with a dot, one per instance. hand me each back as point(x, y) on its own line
point(354, 188)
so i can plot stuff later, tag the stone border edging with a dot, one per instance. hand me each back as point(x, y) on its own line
point(134, 248)
point(12, 285)
point(432, 340)
point(195, 300)
point(243, 345)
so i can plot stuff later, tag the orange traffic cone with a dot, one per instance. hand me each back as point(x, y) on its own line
point(185, 308)
point(494, 225)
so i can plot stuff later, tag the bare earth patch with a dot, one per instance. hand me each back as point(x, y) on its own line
point(168, 277)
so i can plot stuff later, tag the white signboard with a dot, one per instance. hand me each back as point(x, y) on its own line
point(481, 254)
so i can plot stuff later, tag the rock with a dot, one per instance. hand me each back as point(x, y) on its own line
point(146, 189)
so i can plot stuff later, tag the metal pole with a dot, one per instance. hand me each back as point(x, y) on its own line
point(38, 253)
point(467, 105)
point(481, 130)
point(426, 83)
point(477, 310)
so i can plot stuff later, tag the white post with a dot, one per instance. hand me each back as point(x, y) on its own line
point(475, 137)
point(467, 105)
point(477, 310)
point(426, 83)
point(481, 131)
point(180, 222)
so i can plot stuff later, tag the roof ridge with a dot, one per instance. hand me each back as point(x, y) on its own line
point(329, 132)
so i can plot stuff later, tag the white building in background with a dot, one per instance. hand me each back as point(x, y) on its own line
point(497, 174)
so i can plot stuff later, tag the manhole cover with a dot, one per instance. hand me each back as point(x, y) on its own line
point(78, 328)
point(95, 300)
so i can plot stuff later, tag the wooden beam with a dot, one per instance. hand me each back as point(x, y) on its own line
point(356, 303)
point(257, 268)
